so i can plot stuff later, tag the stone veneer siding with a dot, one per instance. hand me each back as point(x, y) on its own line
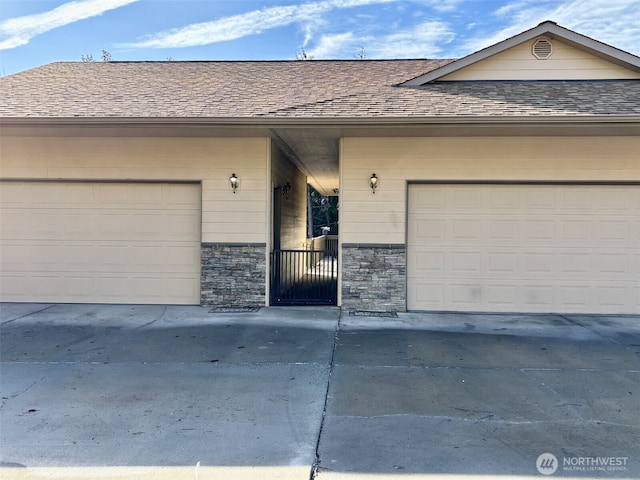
point(374, 277)
point(233, 274)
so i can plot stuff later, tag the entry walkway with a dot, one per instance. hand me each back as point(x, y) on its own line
point(159, 392)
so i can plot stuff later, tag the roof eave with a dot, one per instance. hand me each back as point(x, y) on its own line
point(270, 122)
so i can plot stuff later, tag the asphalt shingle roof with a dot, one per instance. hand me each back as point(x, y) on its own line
point(294, 89)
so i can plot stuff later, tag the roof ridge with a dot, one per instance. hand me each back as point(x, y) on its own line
point(284, 61)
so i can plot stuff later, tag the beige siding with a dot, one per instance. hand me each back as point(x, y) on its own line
point(381, 218)
point(566, 63)
point(225, 217)
point(294, 205)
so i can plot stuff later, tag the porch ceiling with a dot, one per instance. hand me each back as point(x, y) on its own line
point(315, 152)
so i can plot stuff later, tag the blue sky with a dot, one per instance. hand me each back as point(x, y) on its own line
point(36, 32)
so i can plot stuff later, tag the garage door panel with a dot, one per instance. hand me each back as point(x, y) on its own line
point(575, 296)
point(538, 231)
point(577, 231)
point(433, 199)
point(184, 222)
point(77, 194)
point(506, 199)
point(537, 296)
point(140, 195)
point(617, 201)
point(502, 295)
point(502, 263)
point(611, 265)
point(531, 248)
point(179, 258)
point(578, 200)
point(500, 230)
point(10, 223)
point(466, 229)
point(176, 198)
point(539, 200)
point(617, 231)
point(464, 293)
point(466, 263)
point(537, 264)
point(44, 195)
point(467, 199)
point(614, 297)
point(101, 242)
point(575, 263)
point(430, 293)
point(113, 196)
point(14, 286)
point(431, 229)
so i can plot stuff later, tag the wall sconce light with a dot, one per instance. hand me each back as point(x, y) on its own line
point(286, 189)
point(373, 183)
point(234, 181)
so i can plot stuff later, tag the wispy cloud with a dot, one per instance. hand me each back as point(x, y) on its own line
point(21, 30)
point(250, 23)
point(443, 5)
point(330, 45)
point(420, 41)
point(616, 22)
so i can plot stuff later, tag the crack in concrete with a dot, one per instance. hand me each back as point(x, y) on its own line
point(316, 467)
point(27, 315)
point(164, 311)
point(593, 330)
point(25, 390)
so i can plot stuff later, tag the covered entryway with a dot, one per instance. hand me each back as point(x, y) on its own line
point(524, 248)
point(87, 242)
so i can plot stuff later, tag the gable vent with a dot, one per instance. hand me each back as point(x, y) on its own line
point(542, 49)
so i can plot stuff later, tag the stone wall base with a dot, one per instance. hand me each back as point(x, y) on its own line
point(374, 277)
point(233, 275)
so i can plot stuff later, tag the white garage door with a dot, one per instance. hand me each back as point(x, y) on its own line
point(100, 242)
point(524, 248)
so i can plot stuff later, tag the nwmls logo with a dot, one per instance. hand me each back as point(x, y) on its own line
point(547, 464)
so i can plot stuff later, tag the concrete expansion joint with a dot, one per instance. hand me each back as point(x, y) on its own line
point(316, 467)
point(596, 370)
point(492, 368)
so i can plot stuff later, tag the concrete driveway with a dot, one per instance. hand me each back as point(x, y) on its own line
point(96, 391)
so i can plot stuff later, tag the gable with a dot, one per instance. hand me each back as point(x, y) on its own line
point(574, 57)
point(557, 61)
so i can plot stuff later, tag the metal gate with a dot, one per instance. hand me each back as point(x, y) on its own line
point(304, 277)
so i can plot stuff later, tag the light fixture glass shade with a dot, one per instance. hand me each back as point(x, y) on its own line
point(234, 181)
point(373, 182)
